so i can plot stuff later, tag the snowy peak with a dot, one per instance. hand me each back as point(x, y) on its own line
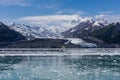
point(96, 24)
point(83, 29)
point(32, 31)
point(61, 27)
point(54, 29)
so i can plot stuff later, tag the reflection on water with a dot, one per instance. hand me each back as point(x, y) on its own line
point(60, 67)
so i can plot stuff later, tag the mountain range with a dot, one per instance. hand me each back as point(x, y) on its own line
point(53, 30)
point(98, 33)
point(83, 29)
point(32, 32)
point(88, 29)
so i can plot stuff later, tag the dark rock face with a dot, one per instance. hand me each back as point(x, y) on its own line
point(109, 34)
point(7, 35)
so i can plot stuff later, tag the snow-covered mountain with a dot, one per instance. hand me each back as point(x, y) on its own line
point(54, 29)
point(83, 29)
point(62, 27)
point(48, 31)
point(58, 29)
point(31, 32)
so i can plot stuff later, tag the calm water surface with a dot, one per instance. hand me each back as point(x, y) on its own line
point(60, 64)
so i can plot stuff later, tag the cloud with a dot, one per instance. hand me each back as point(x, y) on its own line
point(80, 12)
point(70, 12)
point(59, 12)
point(46, 6)
point(13, 2)
point(60, 18)
point(108, 12)
point(109, 18)
point(49, 19)
point(112, 18)
point(100, 16)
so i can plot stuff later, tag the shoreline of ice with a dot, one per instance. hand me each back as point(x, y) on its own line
point(59, 51)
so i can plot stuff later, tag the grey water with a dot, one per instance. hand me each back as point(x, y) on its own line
point(60, 64)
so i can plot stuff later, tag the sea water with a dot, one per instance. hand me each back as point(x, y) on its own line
point(60, 64)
